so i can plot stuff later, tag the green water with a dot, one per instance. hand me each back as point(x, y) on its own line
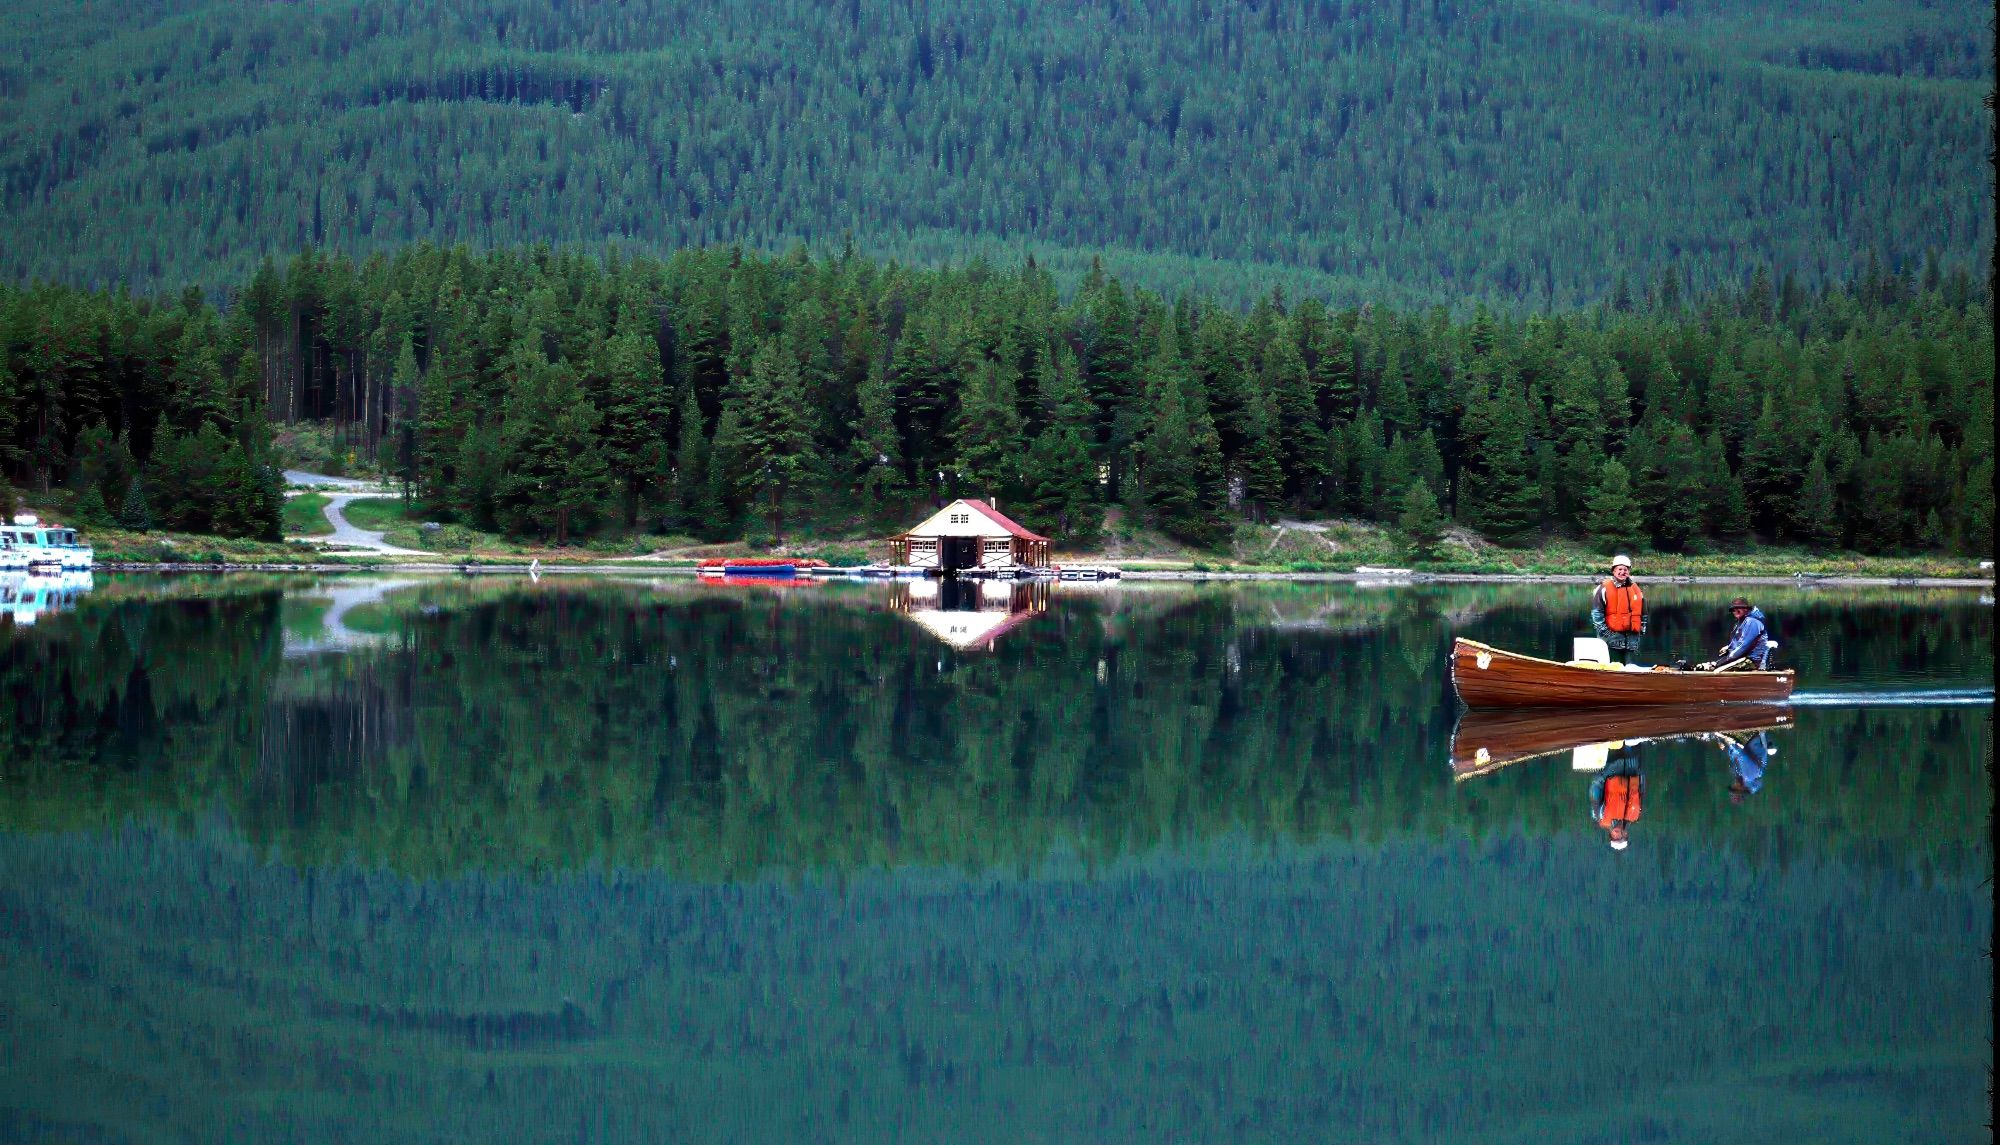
point(591, 860)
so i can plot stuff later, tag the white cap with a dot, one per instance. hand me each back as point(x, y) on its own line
point(1621, 559)
point(1619, 844)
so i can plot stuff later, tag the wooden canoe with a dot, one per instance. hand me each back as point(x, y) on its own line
point(1488, 677)
point(1486, 741)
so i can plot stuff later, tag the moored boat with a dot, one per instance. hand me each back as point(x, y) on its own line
point(781, 568)
point(1489, 677)
point(36, 544)
point(1487, 740)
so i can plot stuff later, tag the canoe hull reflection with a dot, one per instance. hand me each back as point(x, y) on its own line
point(1486, 741)
point(1488, 677)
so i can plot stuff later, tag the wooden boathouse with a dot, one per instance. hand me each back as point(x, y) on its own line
point(968, 534)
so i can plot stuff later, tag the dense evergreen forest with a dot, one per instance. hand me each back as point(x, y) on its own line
point(721, 393)
point(1407, 152)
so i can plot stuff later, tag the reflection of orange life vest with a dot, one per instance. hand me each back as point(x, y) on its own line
point(1624, 608)
point(1621, 800)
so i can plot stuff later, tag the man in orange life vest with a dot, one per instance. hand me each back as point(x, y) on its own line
point(1615, 795)
point(1618, 610)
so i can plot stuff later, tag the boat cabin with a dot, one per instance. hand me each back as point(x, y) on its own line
point(969, 534)
point(39, 542)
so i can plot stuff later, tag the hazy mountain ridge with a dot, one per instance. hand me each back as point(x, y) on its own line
point(1413, 152)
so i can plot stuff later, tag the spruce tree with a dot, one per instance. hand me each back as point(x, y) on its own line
point(1725, 509)
point(1669, 486)
point(726, 479)
point(1576, 420)
point(1293, 397)
point(88, 508)
point(990, 431)
point(629, 387)
point(134, 513)
point(1062, 475)
point(554, 479)
point(776, 429)
point(692, 491)
point(1612, 519)
point(1500, 481)
point(1181, 466)
point(1259, 464)
point(876, 451)
point(1422, 523)
point(1814, 517)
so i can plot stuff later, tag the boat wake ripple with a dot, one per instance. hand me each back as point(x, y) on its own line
point(1913, 698)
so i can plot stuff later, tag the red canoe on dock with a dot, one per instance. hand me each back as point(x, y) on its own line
point(1488, 677)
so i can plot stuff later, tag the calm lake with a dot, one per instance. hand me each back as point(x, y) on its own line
point(482, 859)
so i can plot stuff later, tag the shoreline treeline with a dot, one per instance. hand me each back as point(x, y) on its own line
point(724, 394)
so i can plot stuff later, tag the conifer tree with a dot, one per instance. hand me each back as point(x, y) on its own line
point(1422, 523)
point(776, 429)
point(134, 513)
point(1258, 463)
point(1725, 509)
point(1612, 518)
point(990, 430)
point(1814, 519)
point(1576, 420)
point(477, 472)
point(1669, 486)
point(1301, 437)
point(1500, 481)
point(1181, 470)
point(554, 479)
point(1062, 476)
point(629, 388)
point(1367, 458)
point(88, 508)
point(875, 450)
point(726, 477)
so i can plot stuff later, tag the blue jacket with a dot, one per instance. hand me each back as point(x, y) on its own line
point(1749, 639)
point(1748, 760)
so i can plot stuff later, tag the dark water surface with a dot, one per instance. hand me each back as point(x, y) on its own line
point(591, 860)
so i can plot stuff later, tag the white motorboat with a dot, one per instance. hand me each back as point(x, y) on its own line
point(39, 544)
point(25, 596)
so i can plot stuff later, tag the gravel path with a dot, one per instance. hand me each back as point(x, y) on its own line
point(298, 477)
point(346, 536)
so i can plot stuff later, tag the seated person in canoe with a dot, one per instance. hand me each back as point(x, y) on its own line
point(1749, 643)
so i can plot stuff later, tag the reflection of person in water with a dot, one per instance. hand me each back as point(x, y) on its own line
point(1615, 794)
point(1747, 762)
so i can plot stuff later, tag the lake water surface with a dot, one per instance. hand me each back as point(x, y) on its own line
point(365, 859)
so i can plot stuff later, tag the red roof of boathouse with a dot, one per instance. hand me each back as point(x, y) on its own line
point(1002, 520)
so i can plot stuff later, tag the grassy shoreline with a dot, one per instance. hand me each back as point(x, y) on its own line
point(1141, 556)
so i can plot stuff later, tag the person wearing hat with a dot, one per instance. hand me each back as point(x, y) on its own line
point(1750, 639)
point(1616, 795)
point(1618, 611)
point(1747, 763)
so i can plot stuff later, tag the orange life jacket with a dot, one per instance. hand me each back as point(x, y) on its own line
point(1621, 800)
point(1624, 608)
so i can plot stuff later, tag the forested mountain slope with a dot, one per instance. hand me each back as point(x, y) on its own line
point(1413, 151)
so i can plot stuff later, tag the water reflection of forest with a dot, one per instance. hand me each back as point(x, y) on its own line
point(491, 724)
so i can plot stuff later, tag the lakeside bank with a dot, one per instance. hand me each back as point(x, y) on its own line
point(1190, 575)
